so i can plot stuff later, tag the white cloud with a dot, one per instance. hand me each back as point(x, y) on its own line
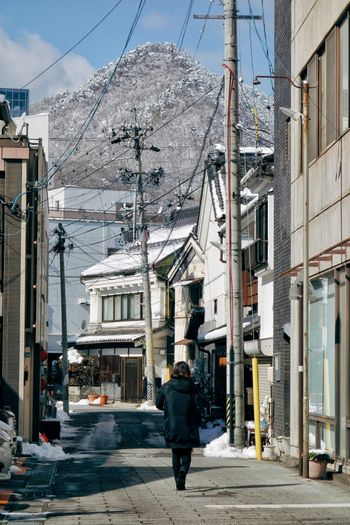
point(155, 20)
point(21, 61)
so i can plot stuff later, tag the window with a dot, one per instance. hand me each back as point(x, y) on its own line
point(322, 361)
point(328, 71)
point(344, 74)
point(122, 307)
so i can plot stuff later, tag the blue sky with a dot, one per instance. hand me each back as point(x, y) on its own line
point(34, 33)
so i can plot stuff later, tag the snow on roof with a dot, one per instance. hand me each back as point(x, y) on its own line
point(119, 338)
point(162, 242)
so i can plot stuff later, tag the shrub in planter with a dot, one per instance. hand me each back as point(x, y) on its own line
point(318, 460)
point(84, 373)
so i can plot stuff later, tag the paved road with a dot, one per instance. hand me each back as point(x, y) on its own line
point(119, 472)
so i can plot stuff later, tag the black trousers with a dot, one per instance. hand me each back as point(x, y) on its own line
point(181, 458)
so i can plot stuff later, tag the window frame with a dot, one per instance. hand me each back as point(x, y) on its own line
point(125, 307)
point(330, 136)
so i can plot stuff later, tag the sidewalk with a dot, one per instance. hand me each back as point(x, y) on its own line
point(133, 485)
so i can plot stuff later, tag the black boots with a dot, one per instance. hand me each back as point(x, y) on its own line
point(180, 482)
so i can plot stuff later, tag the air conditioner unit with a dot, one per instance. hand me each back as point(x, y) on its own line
point(83, 300)
point(255, 255)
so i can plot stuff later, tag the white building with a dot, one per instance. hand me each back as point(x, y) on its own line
point(257, 273)
point(93, 221)
point(116, 329)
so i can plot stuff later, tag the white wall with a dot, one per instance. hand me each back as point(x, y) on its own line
point(89, 199)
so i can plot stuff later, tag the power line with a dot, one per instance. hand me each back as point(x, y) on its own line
point(80, 133)
point(185, 24)
point(211, 2)
point(73, 47)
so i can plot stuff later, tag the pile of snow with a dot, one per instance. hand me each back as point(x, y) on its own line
point(74, 357)
point(45, 451)
point(96, 401)
point(145, 406)
point(213, 430)
point(219, 448)
point(61, 414)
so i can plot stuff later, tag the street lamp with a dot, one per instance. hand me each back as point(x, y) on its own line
point(304, 117)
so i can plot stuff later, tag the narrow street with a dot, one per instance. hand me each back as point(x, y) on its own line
point(119, 472)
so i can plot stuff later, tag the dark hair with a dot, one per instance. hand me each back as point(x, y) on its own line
point(181, 369)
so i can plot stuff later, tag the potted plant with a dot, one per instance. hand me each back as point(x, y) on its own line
point(318, 460)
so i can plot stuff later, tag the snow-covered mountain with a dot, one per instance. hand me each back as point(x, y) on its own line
point(173, 94)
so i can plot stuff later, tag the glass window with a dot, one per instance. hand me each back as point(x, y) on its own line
point(125, 302)
point(107, 308)
point(321, 349)
point(344, 75)
point(313, 137)
point(122, 307)
point(322, 99)
point(331, 93)
point(118, 307)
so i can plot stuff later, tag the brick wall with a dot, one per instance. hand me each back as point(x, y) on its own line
point(281, 391)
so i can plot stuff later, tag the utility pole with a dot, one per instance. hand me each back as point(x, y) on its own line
point(234, 334)
point(60, 248)
point(234, 348)
point(137, 136)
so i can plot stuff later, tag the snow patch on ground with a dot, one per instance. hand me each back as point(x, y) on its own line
point(219, 448)
point(145, 406)
point(45, 451)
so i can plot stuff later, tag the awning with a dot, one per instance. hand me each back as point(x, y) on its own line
point(213, 335)
point(136, 339)
point(259, 347)
point(187, 282)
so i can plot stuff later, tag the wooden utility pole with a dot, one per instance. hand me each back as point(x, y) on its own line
point(60, 248)
point(234, 346)
point(234, 338)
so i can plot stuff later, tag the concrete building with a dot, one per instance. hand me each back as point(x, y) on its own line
point(18, 100)
point(320, 53)
point(95, 225)
point(23, 275)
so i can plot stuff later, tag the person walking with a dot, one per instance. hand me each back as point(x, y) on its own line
point(182, 418)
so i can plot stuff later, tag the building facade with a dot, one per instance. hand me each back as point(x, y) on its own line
point(93, 221)
point(23, 277)
point(18, 100)
point(116, 330)
point(282, 219)
point(320, 53)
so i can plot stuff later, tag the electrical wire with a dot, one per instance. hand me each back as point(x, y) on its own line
point(211, 2)
point(198, 162)
point(264, 48)
point(73, 47)
point(185, 24)
point(80, 133)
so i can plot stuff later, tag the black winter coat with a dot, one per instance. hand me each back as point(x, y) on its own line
point(182, 418)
